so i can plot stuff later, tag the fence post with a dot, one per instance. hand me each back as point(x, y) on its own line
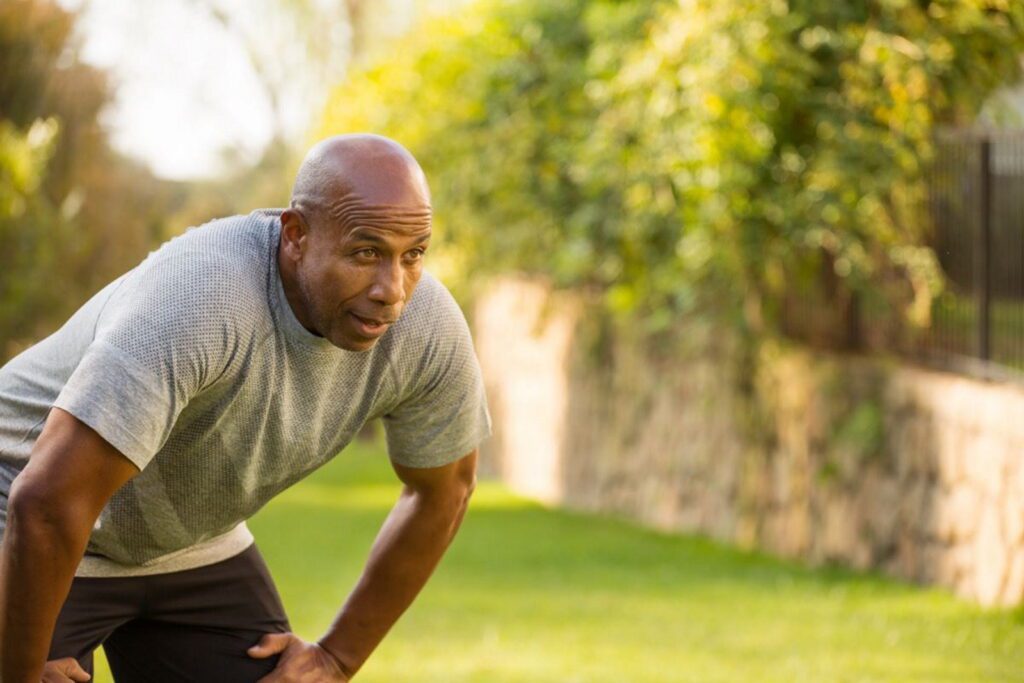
point(983, 270)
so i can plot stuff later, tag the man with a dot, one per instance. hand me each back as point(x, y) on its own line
point(233, 361)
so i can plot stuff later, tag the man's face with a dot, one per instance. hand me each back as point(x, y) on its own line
point(355, 279)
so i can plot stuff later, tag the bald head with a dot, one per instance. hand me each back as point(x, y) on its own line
point(352, 244)
point(353, 176)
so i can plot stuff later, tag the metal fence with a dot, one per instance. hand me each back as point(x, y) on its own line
point(976, 207)
point(976, 200)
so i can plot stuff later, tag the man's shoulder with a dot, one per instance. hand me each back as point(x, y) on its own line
point(243, 239)
point(223, 252)
point(217, 272)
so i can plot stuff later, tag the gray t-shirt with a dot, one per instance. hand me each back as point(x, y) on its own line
point(194, 366)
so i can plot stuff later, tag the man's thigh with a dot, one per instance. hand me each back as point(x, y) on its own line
point(198, 625)
point(94, 608)
point(144, 651)
point(193, 625)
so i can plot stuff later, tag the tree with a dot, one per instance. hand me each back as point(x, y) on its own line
point(693, 155)
point(73, 214)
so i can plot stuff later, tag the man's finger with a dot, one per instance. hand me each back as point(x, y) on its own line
point(270, 644)
point(70, 667)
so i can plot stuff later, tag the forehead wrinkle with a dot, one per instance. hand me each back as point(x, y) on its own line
point(349, 210)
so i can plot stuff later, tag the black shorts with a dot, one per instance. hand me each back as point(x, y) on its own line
point(188, 626)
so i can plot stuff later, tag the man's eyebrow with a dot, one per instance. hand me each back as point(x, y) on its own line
point(364, 235)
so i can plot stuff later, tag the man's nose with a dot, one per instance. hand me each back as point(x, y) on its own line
point(388, 287)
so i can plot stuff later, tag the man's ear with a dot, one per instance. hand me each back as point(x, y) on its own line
point(294, 234)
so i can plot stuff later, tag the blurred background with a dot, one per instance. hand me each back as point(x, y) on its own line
point(125, 123)
point(750, 269)
point(787, 167)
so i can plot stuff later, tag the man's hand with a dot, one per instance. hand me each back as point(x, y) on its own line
point(63, 670)
point(300, 662)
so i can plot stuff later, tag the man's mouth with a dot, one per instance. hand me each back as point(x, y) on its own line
point(371, 327)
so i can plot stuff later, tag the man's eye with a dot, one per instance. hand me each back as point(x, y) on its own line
point(366, 253)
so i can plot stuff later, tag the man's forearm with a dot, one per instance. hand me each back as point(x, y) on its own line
point(408, 548)
point(38, 558)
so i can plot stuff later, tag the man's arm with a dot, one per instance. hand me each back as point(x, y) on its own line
point(410, 544)
point(52, 507)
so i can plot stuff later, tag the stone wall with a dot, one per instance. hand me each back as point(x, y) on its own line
point(851, 460)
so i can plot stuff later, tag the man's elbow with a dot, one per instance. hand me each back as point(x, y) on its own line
point(26, 500)
point(39, 517)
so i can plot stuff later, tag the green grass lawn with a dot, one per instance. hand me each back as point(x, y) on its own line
point(529, 594)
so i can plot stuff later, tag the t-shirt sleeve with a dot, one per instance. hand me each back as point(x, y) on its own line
point(165, 335)
point(445, 416)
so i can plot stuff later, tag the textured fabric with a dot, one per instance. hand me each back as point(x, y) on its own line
point(194, 366)
point(186, 627)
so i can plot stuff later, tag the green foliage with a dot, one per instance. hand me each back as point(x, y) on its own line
point(707, 153)
point(862, 430)
point(25, 258)
point(23, 159)
point(73, 215)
